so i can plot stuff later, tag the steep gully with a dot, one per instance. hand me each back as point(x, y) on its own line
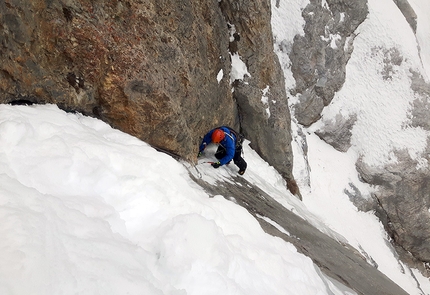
point(337, 260)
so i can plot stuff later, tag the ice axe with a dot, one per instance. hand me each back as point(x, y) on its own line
point(207, 162)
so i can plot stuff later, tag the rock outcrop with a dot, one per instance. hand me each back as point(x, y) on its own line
point(402, 199)
point(261, 96)
point(320, 56)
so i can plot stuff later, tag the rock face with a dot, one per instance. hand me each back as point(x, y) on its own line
point(159, 69)
point(402, 198)
point(320, 56)
point(148, 68)
point(261, 96)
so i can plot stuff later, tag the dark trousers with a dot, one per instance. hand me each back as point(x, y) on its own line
point(237, 159)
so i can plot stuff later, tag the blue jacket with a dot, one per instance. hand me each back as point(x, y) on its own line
point(229, 143)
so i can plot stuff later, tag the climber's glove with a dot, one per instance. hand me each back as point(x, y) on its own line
point(216, 165)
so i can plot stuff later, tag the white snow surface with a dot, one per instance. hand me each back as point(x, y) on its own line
point(287, 21)
point(238, 68)
point(87, 209)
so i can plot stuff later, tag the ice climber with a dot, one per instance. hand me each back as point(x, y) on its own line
point(229, 147)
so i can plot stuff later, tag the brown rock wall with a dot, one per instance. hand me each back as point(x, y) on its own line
point(146, 67)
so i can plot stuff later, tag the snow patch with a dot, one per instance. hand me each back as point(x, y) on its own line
point(220, 75)
point(265, 100)
point(277, 226)
point(238, 68)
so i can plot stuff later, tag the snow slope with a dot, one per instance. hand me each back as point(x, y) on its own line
point(90, 210)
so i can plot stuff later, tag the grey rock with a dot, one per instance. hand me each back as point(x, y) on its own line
point(421, 106)
point(392, 58)
point(403, 197)
point(363, 203)
point(408, 12)
point(338, 133)
point(318, 64)
point(268, 127)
